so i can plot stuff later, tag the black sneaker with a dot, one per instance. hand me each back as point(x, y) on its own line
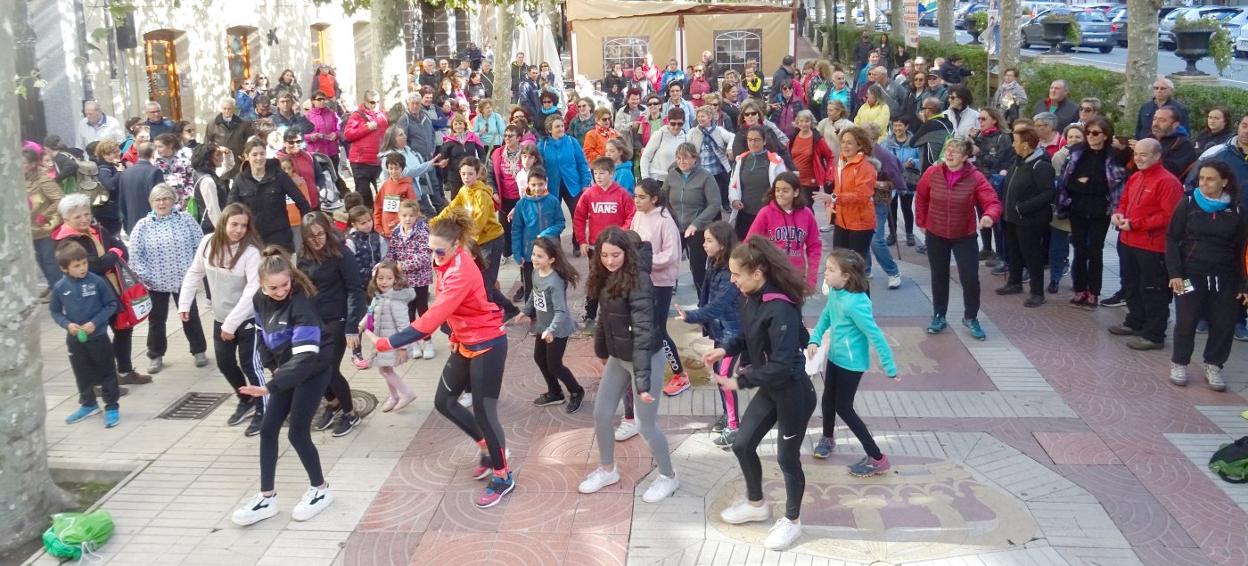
point(547, 399)
point(518, 296)
point(346, 424)
point(721, 423)
point(257, 419)
point(1115, 300)
point(240, 413)
point(574, 402)
point(576, 250)
point(325, 420)
point(890, 240)
point(985, 255)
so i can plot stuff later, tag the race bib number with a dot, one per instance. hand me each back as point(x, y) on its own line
point(390, 204)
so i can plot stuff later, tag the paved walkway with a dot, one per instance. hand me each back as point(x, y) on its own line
point(1051, 443)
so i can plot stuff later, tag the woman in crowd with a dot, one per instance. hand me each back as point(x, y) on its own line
point(713, 143)
point(1011, 98)
point(460, 144)
point(752, 177)
point(584, 120)
point(776, 141)
point(480, 355)
point(874, 111)
point(104, 250)
point(228, 262)
point(323, 138)
point(1217, 129)
point(1088, 187)
point(1028, 199)
point(162, 246)
point(835, 121)
point(650, 121)
point(210, 162)
point(814, 159)
point(264, 188)
point(506, 162)
point(993, 155)
point(107, 158)
point(340, 303)
point(290, 346)
point(853, 186)
point(488, 126)
point(772, 336)
point(286, 84)
point(693, 197)
point(660, 152)
point(595, 140)
point(945, 205)
point(784, 109)
point(1204, 252)
point(43, 195)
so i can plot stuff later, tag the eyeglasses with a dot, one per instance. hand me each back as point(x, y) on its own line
point(1087, 109)
point(509, 136)
point(163, 199)
point(1091, 133)
point(652, 104)
point(319, 99)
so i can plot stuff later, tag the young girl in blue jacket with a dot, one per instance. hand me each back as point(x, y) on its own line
point(718, 314)
point(848, 315)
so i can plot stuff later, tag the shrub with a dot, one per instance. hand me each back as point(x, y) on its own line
point(1199, 99)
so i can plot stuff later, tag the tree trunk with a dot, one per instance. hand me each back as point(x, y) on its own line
point(26, 487)
point(829, 20)
point(944, 19)
point(1141, 56)
point(1010, 13)
point(504, 30)
point(896, 12)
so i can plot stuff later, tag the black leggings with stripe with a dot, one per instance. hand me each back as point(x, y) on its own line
point(484, 373)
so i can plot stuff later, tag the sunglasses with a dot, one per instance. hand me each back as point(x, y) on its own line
point(1091, 133)
point(294, 142)
point(1086, 109)
point(676, 123)
point(751, 113)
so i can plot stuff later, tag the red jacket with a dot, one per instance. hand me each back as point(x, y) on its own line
point(460, 301)
point(823, 162)
point(1147, 203)
point(602, 208)
point(365, 143)
point(949, 212)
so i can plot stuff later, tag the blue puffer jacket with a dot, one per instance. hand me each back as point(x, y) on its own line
point(566, 167)
point(534, 216)
point(718, 311)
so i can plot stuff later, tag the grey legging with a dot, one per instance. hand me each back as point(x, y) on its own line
point(617, 377)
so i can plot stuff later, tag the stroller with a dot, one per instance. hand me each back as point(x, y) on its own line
point(330, 185)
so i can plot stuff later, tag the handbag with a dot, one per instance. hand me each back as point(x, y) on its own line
point(136, 303)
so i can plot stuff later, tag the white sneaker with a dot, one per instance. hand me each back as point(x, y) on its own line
point(465, 400)
point(598, 479)
point(427, 349)
point(626, 430)
point(260, 507)
point(1178, 374)
point(314, 500)
point(660, 489)
point(1213, 376)
point(742, 512)
point(783, 534)
point(894, 281)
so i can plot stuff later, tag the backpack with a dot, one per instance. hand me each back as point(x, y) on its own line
point(85, 179)
point(1230, 462)
point(196, 206)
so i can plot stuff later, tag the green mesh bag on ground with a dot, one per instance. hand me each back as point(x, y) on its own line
point(73, 534)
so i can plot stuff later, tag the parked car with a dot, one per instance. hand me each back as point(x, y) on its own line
point(959, 17)
point(1094, 30)
point(1118, 27)
point(1102, 6)
point(1032, 8)
point(1165, 28)
point(1241, 43)
point(927, 19)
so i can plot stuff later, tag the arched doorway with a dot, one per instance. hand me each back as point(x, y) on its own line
point(163, 85)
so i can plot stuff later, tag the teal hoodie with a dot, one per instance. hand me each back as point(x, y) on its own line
point(848, 315)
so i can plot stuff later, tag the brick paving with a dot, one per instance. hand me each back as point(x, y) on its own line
point(1050, 443)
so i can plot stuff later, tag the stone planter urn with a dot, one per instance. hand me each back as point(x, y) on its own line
point(1055, 34)
point(1192, 45)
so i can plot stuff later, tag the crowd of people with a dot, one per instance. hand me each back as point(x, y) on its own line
point(737, 175)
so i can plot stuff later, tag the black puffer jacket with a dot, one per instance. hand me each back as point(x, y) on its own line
point(339, 289)
point(995, 152)
point(771, 340)
point(266, 198)
point(626, 325)
point(1200, 244)
point(1029, 190)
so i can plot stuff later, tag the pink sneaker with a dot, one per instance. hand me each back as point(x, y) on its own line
point(678, 385)
point(359, 361)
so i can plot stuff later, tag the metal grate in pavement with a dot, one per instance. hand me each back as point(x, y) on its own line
point(194, 405)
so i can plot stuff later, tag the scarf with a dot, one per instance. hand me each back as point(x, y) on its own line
point(1209, 205)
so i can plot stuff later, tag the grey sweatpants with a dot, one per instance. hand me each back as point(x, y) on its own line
point(617, 378)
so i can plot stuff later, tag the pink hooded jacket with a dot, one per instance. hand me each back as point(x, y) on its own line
point(795, 233)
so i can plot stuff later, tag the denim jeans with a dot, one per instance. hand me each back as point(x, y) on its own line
point(1059, 250)
point(879, 245)
point(45, 255)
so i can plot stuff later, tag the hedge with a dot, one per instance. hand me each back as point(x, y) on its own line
point(1084, 80)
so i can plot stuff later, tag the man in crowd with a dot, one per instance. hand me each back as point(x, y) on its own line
point(519, 71)
point(95, 126)
point(1163, 96)
point(1051, 138)
point(1141, 217)
point(288, 117)
point(156, 122)
point(228, 129)
point(529, 94)
point(1059, 104)
point(1177, 152)
point(136, 184)
point(626, 116)
point(675, 99)
point(786, 72)
point(428, 74)
point(932, 134)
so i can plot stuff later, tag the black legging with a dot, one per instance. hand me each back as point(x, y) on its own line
point(484, 372)
point(742, 224)
point(966, 252)
point(857, 240)
point(493, 251)
point(237, 360)
point(907, 212)
point(509, 204)
point(337, 390)
point(420, 304)
point(365, 177)
point(663, 302)
point(300, 404)
point(697, 260)
point(157, 337)
point(839, 388)
point(549, 360)
point(790, 407)
point(1087, 235)
point(123, 341)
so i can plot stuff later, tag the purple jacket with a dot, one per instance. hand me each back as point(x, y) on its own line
point(324, 122)
point(890, 167)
